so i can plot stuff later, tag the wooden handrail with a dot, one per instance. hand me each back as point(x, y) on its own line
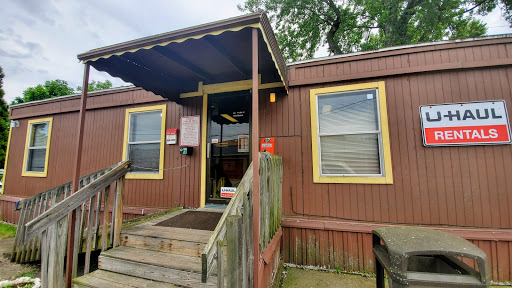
point(210, 250)
point(34, 206)
point(65, 185)
point(51, 225)
point(271, 175)
point(61, 210)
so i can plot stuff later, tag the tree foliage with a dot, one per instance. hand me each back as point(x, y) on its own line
point(97, 85)
point(4, 122)
point(303, 26)
point(49, 89)
point(56, 88)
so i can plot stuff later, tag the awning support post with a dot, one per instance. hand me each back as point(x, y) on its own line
point(76, 175)
point(255, 161)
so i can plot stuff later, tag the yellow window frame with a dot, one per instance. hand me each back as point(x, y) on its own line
point(24, 172)
point(387, 178)
point(135, 175)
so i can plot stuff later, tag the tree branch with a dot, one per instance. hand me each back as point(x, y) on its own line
point(474, 7)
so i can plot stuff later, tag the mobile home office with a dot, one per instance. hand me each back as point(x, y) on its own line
point(345, 173)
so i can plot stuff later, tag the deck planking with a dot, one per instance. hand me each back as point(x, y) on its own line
point(166, 255)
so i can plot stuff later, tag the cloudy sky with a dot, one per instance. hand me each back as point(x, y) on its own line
point(39, 39)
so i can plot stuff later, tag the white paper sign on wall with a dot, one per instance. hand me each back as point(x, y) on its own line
point(190, 131)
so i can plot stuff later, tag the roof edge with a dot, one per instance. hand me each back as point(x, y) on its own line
point(64, 97)
point(330, 59)
point(172, 35)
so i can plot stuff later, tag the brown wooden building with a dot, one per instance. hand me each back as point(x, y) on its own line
point(386, 176)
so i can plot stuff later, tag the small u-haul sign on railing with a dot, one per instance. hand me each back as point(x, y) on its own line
point(473, 123)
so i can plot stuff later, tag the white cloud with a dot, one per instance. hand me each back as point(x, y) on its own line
point(39, 39)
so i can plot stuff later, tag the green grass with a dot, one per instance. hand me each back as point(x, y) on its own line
point(26, 273)
point(7, 230)
point(28, 285)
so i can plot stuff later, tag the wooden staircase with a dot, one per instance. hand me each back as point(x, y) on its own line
point(153, 256)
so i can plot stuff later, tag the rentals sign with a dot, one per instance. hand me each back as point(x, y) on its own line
point(473, 123)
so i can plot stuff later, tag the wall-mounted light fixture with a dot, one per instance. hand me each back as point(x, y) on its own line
point(272, 97)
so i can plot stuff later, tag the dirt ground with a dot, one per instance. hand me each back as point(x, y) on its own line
point(296, 277)
point(11, 270)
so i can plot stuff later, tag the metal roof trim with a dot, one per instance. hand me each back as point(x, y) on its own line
point(395, 48)
point(162, 39)
point(257, 20)
point(180, 40)
point(89, 94)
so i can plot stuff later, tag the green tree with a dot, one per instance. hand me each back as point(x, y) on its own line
point(97, 85)
point(303, 26)
point(4, 122)
point(49, 89)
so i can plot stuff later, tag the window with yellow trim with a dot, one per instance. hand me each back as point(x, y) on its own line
point(350, 134)
point(144, 141)
point(37, 147)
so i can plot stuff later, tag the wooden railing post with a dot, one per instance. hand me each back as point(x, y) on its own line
point(220, 264)
point(104, 236)
point(119, 212)
point(234, 243)
point(247, 256)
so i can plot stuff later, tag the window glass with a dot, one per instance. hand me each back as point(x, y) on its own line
point(145, 126)
point(39, 135)
point(350, 154)
point(349, 133)
point(348, 112)
point(145, 132)
point(144, 155)
point(36, 160)
point(36, 150)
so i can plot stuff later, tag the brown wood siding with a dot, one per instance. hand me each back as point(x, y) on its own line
point(103, 144)
point(352, 251)
point(463, 186)
point(460, 186)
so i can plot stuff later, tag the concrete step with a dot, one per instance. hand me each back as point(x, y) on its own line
point(101, 278)
point(171, 268)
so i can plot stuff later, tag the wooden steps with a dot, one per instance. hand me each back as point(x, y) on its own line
point(166, 267)
point(152, 256)
point(169, 240)
point(100, 278)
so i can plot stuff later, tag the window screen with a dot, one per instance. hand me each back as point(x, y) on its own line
point(145, 130)
point(36, 148)
point(349, 133)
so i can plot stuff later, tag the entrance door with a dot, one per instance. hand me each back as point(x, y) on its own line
point(228, 151)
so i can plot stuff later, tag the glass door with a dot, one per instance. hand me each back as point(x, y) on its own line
point(228, 143)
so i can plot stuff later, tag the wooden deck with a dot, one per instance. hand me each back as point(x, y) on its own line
point(153, 256)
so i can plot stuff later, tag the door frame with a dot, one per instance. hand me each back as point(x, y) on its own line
point(204, 90)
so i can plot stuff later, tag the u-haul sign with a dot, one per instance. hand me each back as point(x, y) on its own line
point(472, 123)
point(227, 192)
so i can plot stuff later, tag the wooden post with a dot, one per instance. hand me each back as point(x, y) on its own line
point(255, 158)
point(104, 233)
point(118, 222)
point(234, 238)
point(76, 175)
point(220, 260)
point(248, 259)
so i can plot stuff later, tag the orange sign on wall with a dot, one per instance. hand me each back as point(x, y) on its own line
point(267, 145)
